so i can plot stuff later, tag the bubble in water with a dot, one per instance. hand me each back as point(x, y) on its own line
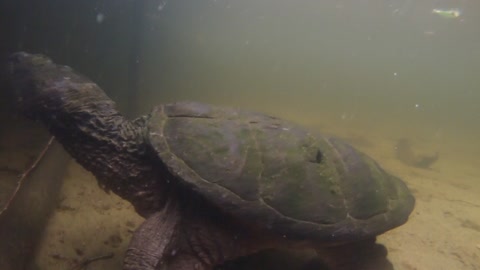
point(100, 17)
point(161, 6)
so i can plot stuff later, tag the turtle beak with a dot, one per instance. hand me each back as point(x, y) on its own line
point(19, 80)
point(9, 91)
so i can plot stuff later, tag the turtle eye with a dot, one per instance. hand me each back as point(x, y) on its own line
point(318, 157)
point(16, 57)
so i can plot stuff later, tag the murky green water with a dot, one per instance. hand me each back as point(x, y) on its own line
point(372, 72)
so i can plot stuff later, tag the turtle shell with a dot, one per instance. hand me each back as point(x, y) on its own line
point(276, 175)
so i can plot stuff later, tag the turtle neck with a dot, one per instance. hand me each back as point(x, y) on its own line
point(85, 121)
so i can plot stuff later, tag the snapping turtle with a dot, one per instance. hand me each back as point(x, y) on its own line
point(214, 183)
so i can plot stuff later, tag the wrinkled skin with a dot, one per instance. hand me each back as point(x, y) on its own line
point(184, 229)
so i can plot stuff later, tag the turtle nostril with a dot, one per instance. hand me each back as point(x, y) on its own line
point(319, 157)
point(16, 57)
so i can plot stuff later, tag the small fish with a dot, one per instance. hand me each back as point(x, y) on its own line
point(447, 13)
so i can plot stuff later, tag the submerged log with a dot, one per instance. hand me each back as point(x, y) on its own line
point(405, 153)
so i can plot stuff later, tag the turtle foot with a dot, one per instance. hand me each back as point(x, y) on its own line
point(183, 263)
point(363, 255)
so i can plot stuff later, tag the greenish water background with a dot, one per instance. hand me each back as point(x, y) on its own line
point(353, 58)
point(389, 68)
point(369, 71)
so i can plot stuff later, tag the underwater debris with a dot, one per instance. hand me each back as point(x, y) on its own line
point(86, 262)
point(447, 13)
point(405, 153)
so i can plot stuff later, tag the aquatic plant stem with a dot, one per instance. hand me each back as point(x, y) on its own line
point(24, 175)
point(88, 261)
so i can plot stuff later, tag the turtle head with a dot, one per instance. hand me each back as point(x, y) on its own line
point(19, 80)
point(47, 91)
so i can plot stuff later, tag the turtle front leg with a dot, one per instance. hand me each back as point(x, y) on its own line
point(184, 238)
point(175, 239)
point(205, 241)
point(151, 240)
point(155, 246)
